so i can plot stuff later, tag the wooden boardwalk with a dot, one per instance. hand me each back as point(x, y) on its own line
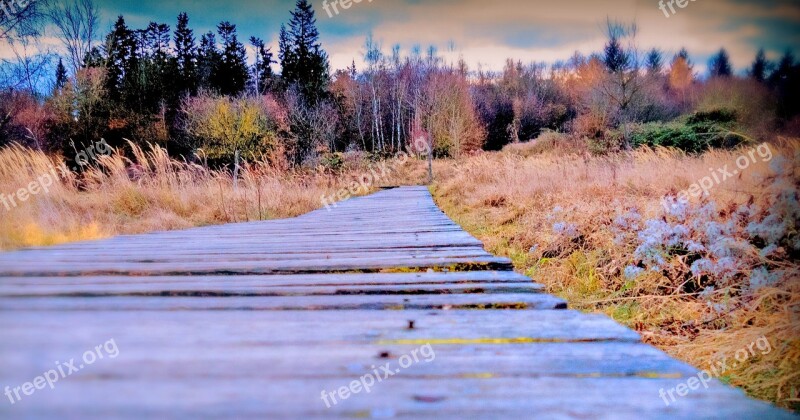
point(263, 319)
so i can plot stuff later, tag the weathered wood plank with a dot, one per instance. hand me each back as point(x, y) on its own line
point(226, 290)
point(286, 303)
point(324, 279)
point(305, 327)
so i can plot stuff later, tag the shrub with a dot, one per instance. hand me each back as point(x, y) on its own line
point(701, 246)
point(223, 125)
point(695, 133)
point(548, 142)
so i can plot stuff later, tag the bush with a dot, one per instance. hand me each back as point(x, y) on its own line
point(548, 142)
point(223, 125)
point(694, 134)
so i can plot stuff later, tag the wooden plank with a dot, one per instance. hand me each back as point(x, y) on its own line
point(226, 290)
point(24, 327)
point(289, 253)
point(159, 361)
point(249, 267)
point(519, 301)
point(324, 279)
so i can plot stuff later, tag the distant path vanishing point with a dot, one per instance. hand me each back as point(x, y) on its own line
point(381, 307)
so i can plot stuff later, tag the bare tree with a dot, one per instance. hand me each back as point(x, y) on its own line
point(21, 18)
point(30, 67)
point(76, 21)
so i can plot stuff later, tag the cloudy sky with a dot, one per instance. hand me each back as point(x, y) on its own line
point(486, 32)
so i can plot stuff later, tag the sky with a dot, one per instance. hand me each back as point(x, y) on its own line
point(485, 33)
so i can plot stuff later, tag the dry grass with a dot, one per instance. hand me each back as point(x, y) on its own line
point(511, 200)
point(151, 192)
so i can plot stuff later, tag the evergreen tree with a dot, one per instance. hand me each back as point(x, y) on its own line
point(303, 61)
point(158, 68)
point(61, 75)
point(121, 60)
point(654, 61)
point(262, 72)
point(783, 70)
point(185, 56)
point(786, 82)
point(720, 65)
point(615, 57)
point(758, 70)
point(208, 62)
point(94, 58)
point(683, 54)
point(286, 56)
point(232, 74)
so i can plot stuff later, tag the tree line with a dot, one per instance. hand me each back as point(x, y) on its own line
point(204, 98)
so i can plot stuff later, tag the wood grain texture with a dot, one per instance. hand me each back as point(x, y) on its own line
point(257, 319)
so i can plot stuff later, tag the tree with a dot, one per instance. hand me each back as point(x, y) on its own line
point(262, 72)
point(158, 68)
point(61, 75)
point(616, 58)
point(654, 62)
point(121, 60)
point(22, 19)
point(232, 73)
point(681, 72)
point(303, 61)
point(758, 70)
point(720, 65)
point(208, 62)
point(185, 56)
point(76, 22)
point(783, 70)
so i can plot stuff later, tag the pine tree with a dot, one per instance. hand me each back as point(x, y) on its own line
point(232, 74)
point(720, 65)
point(783, 70)
point(684, 55)
point(654, 61)
point(208, 62)
point(185, 56)
point(121, 60)
point(286, 56)
point(158, 68)
point(61, 75)
point(615, 58)
point(303, 61)
point(758, 70)
point(262, 72)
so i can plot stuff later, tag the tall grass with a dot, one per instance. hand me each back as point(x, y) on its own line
point(152, 191)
